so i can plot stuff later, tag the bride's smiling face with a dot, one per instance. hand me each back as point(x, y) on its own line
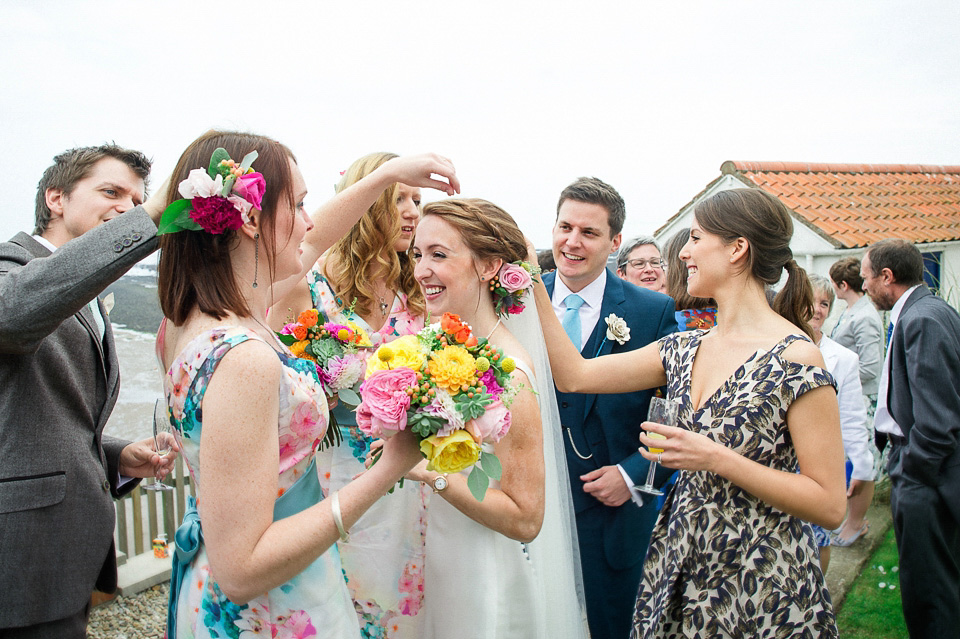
point(445, 268)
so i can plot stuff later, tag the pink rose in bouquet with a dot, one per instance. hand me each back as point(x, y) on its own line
point(514, 277)
point(251, 187)
point(492, 425)
point(385, 402)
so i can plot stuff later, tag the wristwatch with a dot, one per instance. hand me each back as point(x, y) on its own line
point(440, 483)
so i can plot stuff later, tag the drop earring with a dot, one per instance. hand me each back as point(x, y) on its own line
point(256, 257)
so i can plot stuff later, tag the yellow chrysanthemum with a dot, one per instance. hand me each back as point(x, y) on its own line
point(297, 348)
point(406, 352)
point(452, 368)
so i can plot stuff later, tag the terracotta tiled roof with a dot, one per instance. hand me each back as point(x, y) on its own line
point(854, 205)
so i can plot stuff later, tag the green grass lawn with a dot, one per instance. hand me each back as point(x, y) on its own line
point(872, 612)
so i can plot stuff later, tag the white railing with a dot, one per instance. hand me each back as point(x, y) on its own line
point(143, 514)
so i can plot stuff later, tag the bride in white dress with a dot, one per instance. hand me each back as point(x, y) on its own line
point(507, 566)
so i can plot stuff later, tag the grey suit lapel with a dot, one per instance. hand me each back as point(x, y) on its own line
point(84, 315)
point(920, 292)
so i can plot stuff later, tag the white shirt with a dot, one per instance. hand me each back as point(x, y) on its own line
point(882, 420)
point(97, 316)
point(592, 295)
point(844, 365)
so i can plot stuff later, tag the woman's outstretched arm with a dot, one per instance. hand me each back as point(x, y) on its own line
point(336, 217)
point(615, 373)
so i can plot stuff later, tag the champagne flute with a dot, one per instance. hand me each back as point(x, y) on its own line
point(662, 411)
point(162, 439)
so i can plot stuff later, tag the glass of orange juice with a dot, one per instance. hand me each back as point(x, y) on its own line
point(662, 411)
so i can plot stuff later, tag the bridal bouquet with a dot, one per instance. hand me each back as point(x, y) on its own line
point(338, 350)
point(451, 389)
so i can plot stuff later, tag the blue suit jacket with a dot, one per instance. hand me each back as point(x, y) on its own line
point(608, 426)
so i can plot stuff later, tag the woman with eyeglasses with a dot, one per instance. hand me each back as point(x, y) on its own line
point(640, 263)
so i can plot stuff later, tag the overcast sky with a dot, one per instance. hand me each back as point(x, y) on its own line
point(523, 96)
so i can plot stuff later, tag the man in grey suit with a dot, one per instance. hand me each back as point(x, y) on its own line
point(59, 381)
point(918, 406)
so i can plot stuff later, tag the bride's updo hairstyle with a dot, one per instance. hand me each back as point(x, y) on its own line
point(765, 222)
point(195, 268)
point(487, 230)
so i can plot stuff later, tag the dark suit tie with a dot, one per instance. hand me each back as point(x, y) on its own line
point(889, 334)
point(571, 319)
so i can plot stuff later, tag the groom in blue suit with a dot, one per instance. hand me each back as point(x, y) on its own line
point(600, 432)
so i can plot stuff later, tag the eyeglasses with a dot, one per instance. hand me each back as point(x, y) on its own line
point(654, 262)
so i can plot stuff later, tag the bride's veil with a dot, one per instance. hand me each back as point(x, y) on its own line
point(555, 553)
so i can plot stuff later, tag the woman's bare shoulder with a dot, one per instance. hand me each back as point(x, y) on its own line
point(804, 352)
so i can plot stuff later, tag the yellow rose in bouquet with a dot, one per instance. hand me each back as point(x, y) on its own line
point(452, 453)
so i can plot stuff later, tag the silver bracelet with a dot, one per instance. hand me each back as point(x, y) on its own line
point(338, 516)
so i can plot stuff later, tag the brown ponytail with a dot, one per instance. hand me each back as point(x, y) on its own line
point(795, 300)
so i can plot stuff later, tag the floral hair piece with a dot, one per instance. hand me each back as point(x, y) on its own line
point(215, 200)
point(510, 285)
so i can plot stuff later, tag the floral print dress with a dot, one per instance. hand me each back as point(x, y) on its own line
point(315, 603)
point(383, 561)
point(721, 562)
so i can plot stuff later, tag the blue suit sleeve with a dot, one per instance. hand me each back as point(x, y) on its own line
point(668, 319)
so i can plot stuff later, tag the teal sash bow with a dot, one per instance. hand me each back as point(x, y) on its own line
point(304, 493)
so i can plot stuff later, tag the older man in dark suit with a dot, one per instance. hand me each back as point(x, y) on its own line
point(601, 432)
point(59, 381)
point(918, 406)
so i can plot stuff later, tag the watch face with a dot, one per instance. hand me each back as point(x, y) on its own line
point(439, 483)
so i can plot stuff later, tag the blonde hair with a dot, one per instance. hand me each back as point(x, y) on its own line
point(367, 249)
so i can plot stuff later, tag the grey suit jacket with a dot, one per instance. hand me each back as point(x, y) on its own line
point(860, 329)
point(924, 393)
point(58, 385)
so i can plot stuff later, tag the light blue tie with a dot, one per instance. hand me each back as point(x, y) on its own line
point(571, 319)
point(889, 333)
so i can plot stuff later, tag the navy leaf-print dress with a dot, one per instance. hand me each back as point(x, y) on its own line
point(723, 563)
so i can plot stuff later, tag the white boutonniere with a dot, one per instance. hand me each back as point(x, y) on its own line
point(617, 329)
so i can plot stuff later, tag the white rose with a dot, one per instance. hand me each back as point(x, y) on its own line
point(199, 184)
point(617, 329)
